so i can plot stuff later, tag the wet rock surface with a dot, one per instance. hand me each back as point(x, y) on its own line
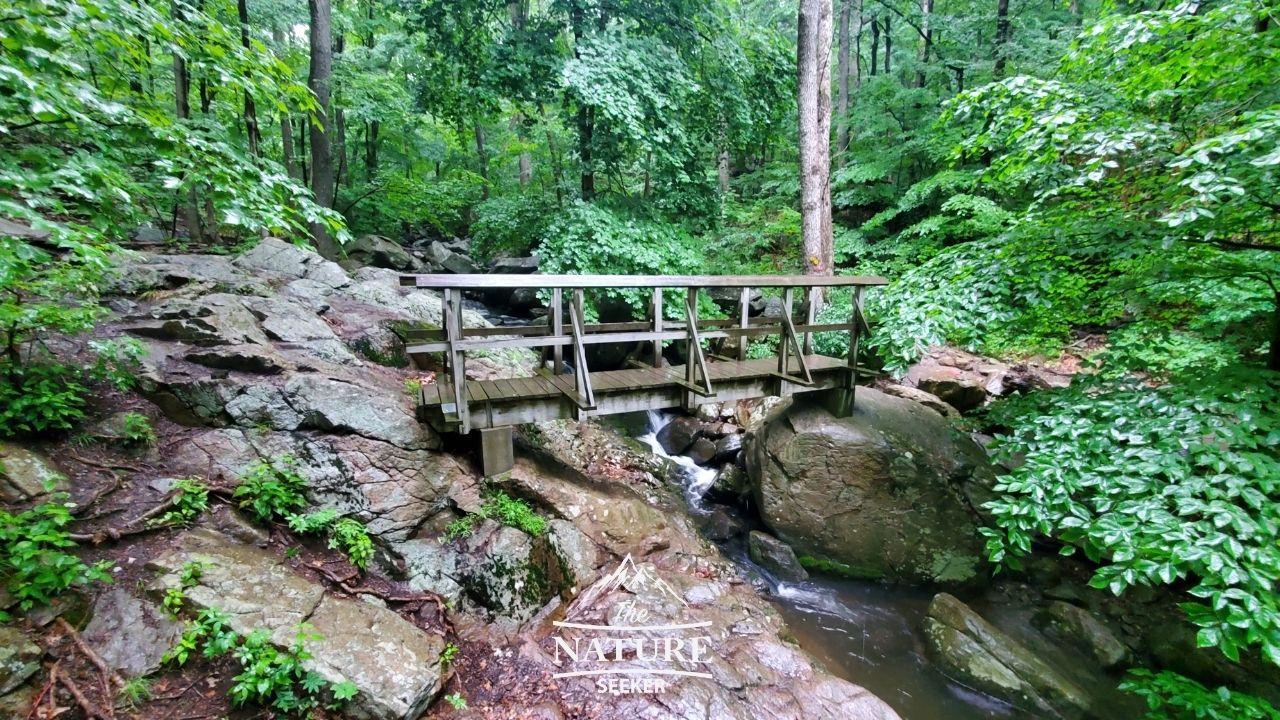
point(19, 658)
point(131, 634)
point(984, 657)
point(775, 556)
point(884, 492)
point(26, 474)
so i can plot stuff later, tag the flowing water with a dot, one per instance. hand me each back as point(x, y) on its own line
point(865, 632)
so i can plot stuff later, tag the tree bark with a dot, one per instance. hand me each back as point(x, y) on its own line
point(926, 39)
point(286, 123)
point(182, 108)
point(813, 61)
point(318, 79)
point(371, 150)
point(250, 111)
point(842, 81)
point(482, 156)
point(875, 44)
point(1002, 35)
point(888, 46)
point(578, 23)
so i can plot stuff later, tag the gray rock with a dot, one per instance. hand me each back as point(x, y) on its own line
point(522, 300)
point(731, 484)
point(775, 556)
point(19, 658)
point(981, 656)
point(578, 554)
point(395, 666)
point(506, 571)
point(708, 412)
point(329, 404)
point(216, 319)
point(379, 251)
point(242, 358)
point(278, 257)
point(702, 451)
point(677, 435)
point(886, 491)
point(130, 634)
point(1081, 629)
point(727, 299)
point(929, 400)
point(141, 272)
point(727, 447)
point(514, 266)
point(431, 567)
point(26, 474)
point(263, 406)
point(721, 524)
point(449, 260)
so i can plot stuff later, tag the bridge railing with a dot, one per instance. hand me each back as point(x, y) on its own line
point(570, 336)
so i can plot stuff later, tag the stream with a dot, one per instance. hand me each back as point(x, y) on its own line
point(865, 632)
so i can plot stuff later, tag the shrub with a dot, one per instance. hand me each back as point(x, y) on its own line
point(272, 491)
point(190, 498)
point(350, 536)
point(509, 225)
point(1171, 696)
point(36, 564)
point(39, 398)
point(136, 429)
point(1178, 484)
point(506, 510)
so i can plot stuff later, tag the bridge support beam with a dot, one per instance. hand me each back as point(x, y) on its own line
point(497, 454)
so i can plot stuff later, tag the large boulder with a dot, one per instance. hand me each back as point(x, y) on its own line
point(19, 658)
point(380, 252)
point(775, 556)
point(983, 657)
point(130, 634)
point(26, 474)
point(1080, 629)
point(886, 492)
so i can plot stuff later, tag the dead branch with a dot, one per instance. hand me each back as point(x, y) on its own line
point(53, 680)
point(110, 678)
point(104, 465)
point(81, 700)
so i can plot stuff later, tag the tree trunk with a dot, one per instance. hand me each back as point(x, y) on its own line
point(286, 123)
point(926, 38)
point(250, 112)
point(339, 145)
point(1002, 35)
point(578, 23)
point(182, 108)
point(318, 79)
point(524, 163)
point(842, 82)
point(875, 44)
point(557, 171)
point(722, 170)
point(483, 157)
point(371, 150)
point(888, 45)
point(1273, 358)
point(813, 60)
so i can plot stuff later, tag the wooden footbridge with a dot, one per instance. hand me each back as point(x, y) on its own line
point(566, 388)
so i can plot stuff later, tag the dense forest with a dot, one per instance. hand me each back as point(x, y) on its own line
point(1033, 177)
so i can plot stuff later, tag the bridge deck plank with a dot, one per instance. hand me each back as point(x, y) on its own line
point(614, 381)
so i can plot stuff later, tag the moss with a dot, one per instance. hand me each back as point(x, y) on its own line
point(826, 566)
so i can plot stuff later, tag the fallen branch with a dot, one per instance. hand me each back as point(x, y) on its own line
point(53, 680)
point(104, 465)
point(81, 700)
point(110, 678)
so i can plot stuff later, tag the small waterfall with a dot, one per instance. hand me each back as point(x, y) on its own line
point(695, 478)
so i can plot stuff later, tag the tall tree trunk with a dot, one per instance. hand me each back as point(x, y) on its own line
point(371, 150)
point(888, 45)
point(813, 61)
point(842, 81)
point(518, 10)
point(318, 79)
point(557, 171)
point(875, 44)
point(250, 112)
point(926, 38)
point(305, 171)
point(182, 108)
point(339, 145)
point(1074, 8)
point(722, 170)
point(1002, 35)
point(286, 123)
point(482, 155)
point(578, 23)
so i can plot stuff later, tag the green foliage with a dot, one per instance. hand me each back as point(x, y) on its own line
point(503, 508)
point(1171, 696)
point(449, 654)
point(40, 398)
point(190, 498)
point(349, 536)
point(116, 361)
point(1160, 485)
point(189, 575)
point(136, 429)
point(270, 677)
point(509, 226)
point(136, 690)
point(313, 522)
point(272, 490)
point(456, 701)
point(37, 563)
point(591, 239)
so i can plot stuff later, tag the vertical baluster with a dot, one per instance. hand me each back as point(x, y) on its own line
point(811, 316)
point(744, 321)
point(557, 330)
point(657, 326)
point(784, 347)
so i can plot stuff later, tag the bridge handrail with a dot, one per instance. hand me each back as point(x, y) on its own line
point(457, 340)
point(587, 282)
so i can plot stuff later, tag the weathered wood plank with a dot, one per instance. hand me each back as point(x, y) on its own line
point(469, 282)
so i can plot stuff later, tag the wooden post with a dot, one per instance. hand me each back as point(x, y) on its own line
point(557, 330)
point(811, 316)
point(581, 374)
point(783, 346)
point(457, 358)
point(744, 321)
point(496, 453)
point(657, 326)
